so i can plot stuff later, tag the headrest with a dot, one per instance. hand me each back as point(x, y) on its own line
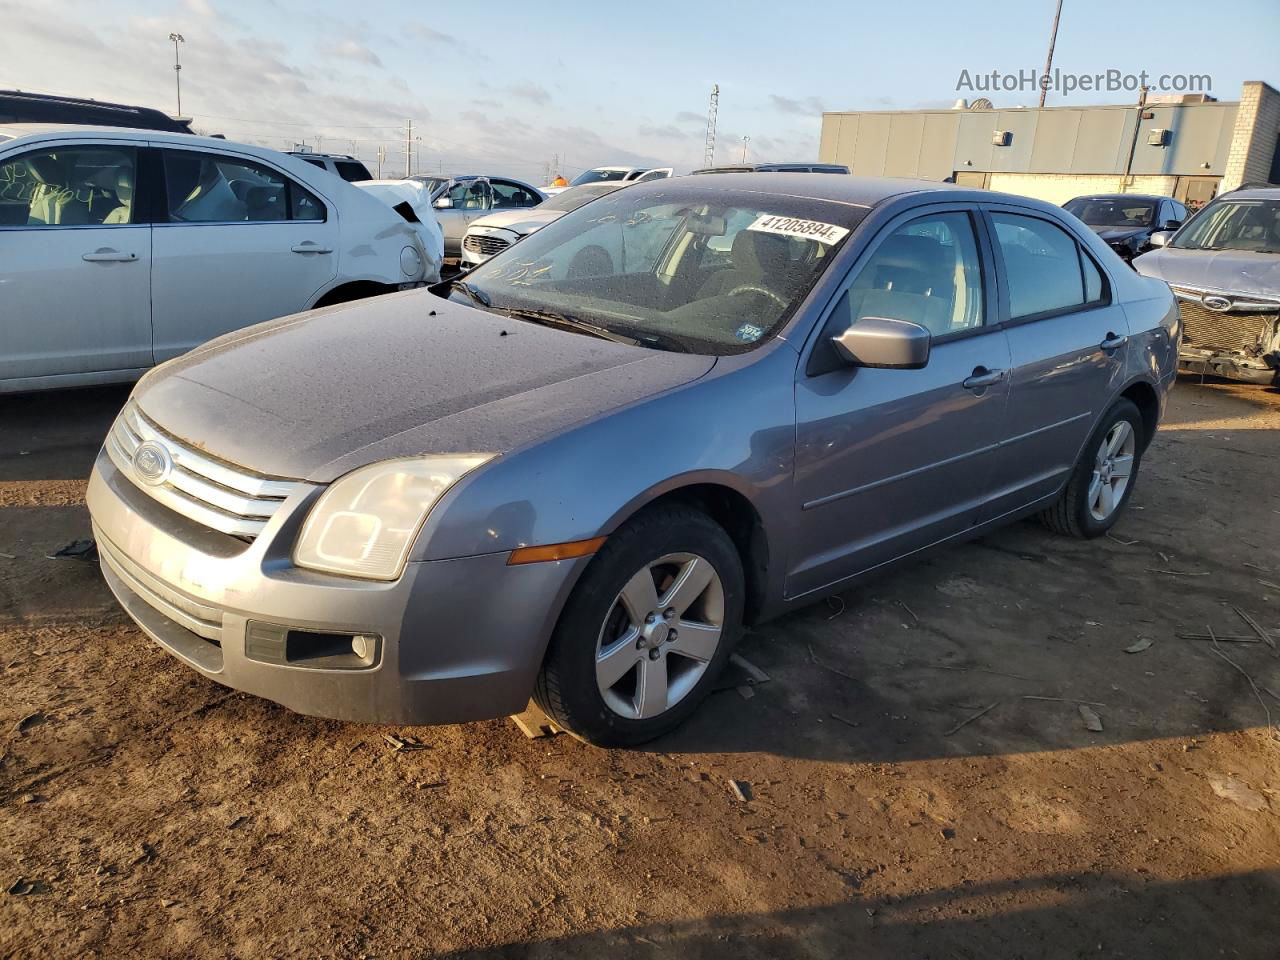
point(907, 252)
point(757, 252)
point(47, 168)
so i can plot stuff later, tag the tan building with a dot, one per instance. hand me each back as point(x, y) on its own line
point(1191, 150)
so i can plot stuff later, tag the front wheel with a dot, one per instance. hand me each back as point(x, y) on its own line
point(646, 631)
point(1103, 478)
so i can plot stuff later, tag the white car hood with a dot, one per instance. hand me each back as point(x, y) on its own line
point(518, 221)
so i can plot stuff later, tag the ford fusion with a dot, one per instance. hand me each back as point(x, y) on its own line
point(575, 474)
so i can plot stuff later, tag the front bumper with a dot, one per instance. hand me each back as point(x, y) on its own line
point(1233, 366)
point(456, 640)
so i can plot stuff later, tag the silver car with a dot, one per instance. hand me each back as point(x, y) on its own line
point(577, 474)
point(1224, 267)
point(490, 235)
point(458, 201)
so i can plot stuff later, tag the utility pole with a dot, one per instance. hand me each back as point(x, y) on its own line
point(1133, 144)
point(408, 149)
point(1048, 60)
point(713, 108)
point(745, 140)
point(382, 155)
point(177, 38)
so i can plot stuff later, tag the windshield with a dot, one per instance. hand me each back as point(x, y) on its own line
point(600, 174)
point(691, 269)
point(1113, 213)
point(574, 197)
point(1252, 225)
point(431, 183)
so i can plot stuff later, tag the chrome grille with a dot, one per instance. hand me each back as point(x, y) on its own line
point(212, 492)
point(484, 245)
point(1233, 330)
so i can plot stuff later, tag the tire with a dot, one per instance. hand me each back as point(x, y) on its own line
point(603, 629)
point(1076, 512)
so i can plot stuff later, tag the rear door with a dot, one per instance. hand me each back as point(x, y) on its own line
point(240, 243)
point(890, 461)
point(1068, 341)
point(76, 261)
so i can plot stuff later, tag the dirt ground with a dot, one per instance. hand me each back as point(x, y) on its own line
point(145, 811)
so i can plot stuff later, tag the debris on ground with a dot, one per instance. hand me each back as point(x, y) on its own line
point(981, 713)
point(29, 721)
point(740, 789)
point(83, 550)
point(21, 887)
point(755, 673)
point(1142, 643)
point(1092, 721)
point(1229, 788)
point(397, 743)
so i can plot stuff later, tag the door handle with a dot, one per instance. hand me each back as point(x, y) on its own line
point(1113, 342)
point(109, 256)
point(308, 246)
point(983, 378)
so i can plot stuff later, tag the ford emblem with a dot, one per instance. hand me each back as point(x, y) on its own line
point(1221, 304)
point(152, 463)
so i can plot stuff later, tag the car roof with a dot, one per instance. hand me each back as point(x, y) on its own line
point(1251, 193)
point(69, 131)
point(862, 191)
point(1122, 196)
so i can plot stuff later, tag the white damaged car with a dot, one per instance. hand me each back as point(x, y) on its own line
point(125, 248)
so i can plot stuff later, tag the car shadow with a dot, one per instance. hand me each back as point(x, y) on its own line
point(1045, 916)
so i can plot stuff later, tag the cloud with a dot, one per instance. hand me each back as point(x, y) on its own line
point(688, 116)
point(530, 91)
point(809, 106)
point(429, 34)
point(668, 132)
point(201, 8)
point(351, 50)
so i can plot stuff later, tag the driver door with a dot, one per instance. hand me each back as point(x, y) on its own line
point(889, 461)
point(462, 203)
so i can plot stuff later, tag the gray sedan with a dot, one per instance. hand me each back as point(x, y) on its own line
point(686, 407)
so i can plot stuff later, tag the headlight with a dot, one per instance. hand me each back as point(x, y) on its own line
point(365, 523)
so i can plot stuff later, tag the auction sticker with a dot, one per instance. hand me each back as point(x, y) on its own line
point(795, 227)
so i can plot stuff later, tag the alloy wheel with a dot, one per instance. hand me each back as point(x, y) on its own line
point(660, 634)
point(1112, 470)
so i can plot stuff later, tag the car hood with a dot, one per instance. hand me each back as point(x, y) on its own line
point(1233, 271)
point(519, 221)
point(1117, 234)
point(316, 395)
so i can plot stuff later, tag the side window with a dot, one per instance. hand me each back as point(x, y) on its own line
point(470, 195)
point(209, 188)
point(926, 271)
point(1042, 264)
point(1095, 290)
point(69, 186)
point(351, 170)
point(303, 204)
point(314, 162)
point(507, 195)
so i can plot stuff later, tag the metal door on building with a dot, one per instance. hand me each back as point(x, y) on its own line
point(1195, 192)
point(971, 178)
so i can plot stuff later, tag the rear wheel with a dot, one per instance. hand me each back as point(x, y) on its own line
point(646, 631)
point(1103, 478)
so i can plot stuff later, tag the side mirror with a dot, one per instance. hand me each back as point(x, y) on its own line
point(443, 203)
point(884, 342)
point(1161, 238)
point(1172, 225)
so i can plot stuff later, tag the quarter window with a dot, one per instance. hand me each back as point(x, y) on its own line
point(1043, 266)
point(69, 186)
point(928, 272)
point(351, 170)
point(210, 188)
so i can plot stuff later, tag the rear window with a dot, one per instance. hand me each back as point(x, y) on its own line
point(352, 170)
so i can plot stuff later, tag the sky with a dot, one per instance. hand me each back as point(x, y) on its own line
point(512, 88)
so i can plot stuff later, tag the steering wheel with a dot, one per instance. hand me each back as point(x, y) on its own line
point(756, 288)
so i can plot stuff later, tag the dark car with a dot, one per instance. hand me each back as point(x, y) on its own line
point(1127, 220)
point(18, 106)
point(774, 168)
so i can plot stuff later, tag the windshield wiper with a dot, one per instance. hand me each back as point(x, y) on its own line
point(552, 319)
point(475, 294)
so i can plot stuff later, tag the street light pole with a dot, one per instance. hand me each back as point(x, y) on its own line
point(177, 38)
point(1048, 60)
point(744, 148)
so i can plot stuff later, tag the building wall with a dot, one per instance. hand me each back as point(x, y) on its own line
point(934, 144)
point(1255, 136)
point(1060, 187)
